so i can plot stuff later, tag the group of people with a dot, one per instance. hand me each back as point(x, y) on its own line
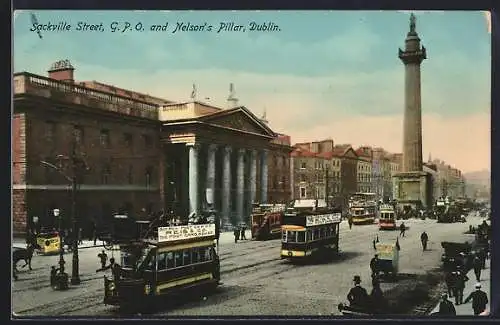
point(359, 298)
point(239, 233)
point(479, 302)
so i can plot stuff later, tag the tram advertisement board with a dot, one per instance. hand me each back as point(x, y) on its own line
point(323, 219)
point(166, 234)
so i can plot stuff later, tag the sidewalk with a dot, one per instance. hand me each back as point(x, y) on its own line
point(466, 309)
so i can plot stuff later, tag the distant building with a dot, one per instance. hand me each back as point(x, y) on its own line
point(279, 183)
point(364, 169)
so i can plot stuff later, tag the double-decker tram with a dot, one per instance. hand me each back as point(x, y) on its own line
point(387, 217)
point(362, 208)
point(178, 259)
point(267, 220)
point(310, 229)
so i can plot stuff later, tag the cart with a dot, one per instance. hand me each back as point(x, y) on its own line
point(388, 255)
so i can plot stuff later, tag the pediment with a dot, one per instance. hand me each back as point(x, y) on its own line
point(238, 119)
point(350, 153)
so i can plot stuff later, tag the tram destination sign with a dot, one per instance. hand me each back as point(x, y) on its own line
point(323, 219)
point(167, 234)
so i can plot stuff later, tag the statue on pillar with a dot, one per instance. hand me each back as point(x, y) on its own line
point(413, 21)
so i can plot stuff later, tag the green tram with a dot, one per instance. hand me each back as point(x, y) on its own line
point(308, 232)
point(182, 257)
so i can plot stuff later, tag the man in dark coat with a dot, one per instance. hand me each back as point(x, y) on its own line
point(479, 300)
point(424, 238)
point(374, 265)
point(446, 307)
point(461, 278)
point(378, 301)
point(243, 230)
point(236, 233)
point(357, 296)
point(449, 279)
point(402, 229)
point(349, 221)
point(477, 265)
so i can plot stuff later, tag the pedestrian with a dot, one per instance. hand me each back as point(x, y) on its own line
point(461, 279)
point(53, 273)
point(94, 232)
point(482, 257)
point(378, 301)
point(349, 220)
point(449, 280)
point(446, 307)
point(243, 229)
point(424, 238)
point(236, 233)
point(479, 300)
point(402, 229)
point(103, 257)
point(477, 265)
point(80, 233)
point(357, 296)
point(374, 265)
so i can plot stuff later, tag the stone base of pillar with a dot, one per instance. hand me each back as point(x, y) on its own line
point(413, 189)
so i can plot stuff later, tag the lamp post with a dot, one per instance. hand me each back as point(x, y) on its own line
point(76, 163)
point(61, 278)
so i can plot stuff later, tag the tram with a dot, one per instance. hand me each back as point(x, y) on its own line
point(267, 220)
point(310, 228)
point(179, 258)
point(387, 217)
point(362, 208)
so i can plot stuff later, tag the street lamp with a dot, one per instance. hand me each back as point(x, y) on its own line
point(60, 279)
point(75, 164)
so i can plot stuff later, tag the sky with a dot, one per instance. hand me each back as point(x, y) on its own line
point(322, 74)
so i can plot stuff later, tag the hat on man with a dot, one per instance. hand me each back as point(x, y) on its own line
point(357, 279)
point(478, 285)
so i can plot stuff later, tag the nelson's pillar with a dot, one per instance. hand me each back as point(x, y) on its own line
point(412, 186)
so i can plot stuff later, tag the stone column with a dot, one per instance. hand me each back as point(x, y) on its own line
point(226, 186)
point(240, 185)
point(193, 178)
point(253, 176)
point(210, 187)
point(263, 177)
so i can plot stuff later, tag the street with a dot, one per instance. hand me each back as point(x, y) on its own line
point(255, 280)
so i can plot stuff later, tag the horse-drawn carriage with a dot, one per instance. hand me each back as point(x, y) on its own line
point(388, 259)
point(457, 255)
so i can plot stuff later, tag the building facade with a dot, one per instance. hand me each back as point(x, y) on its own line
point(279, 183)
point(308, 174)
point(137, 154)
point(364, 169)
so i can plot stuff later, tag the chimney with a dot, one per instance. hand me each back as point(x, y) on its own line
point(62, 70)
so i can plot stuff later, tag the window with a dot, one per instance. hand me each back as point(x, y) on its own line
point(303, 178)
point(301, 236)
point(106, 174)
point(162, 261)
point(148, 142)
point(50, 130)
point(303, 165)
point(127, 140)
point(178, 258)
point(130, 175)
point(149, 176)
point(105, 141)
point(302, 192)
point(186, 260)
point(170, 260)
point(195, 255)
point(292, 237)
point(78, 134)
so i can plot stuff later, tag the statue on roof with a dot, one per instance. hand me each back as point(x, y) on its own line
point(413, 21)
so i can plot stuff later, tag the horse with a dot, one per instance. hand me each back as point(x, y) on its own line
point(25, 254)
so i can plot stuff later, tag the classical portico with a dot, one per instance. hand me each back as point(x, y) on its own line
point(214, 158)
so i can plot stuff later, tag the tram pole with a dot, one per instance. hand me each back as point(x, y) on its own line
point(75, 276)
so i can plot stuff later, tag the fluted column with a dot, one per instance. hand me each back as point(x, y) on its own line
point(263, 177)
point(253, 176)
point(210, 189)
point(193, 178)
point(226, 186)
point(240, 185)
